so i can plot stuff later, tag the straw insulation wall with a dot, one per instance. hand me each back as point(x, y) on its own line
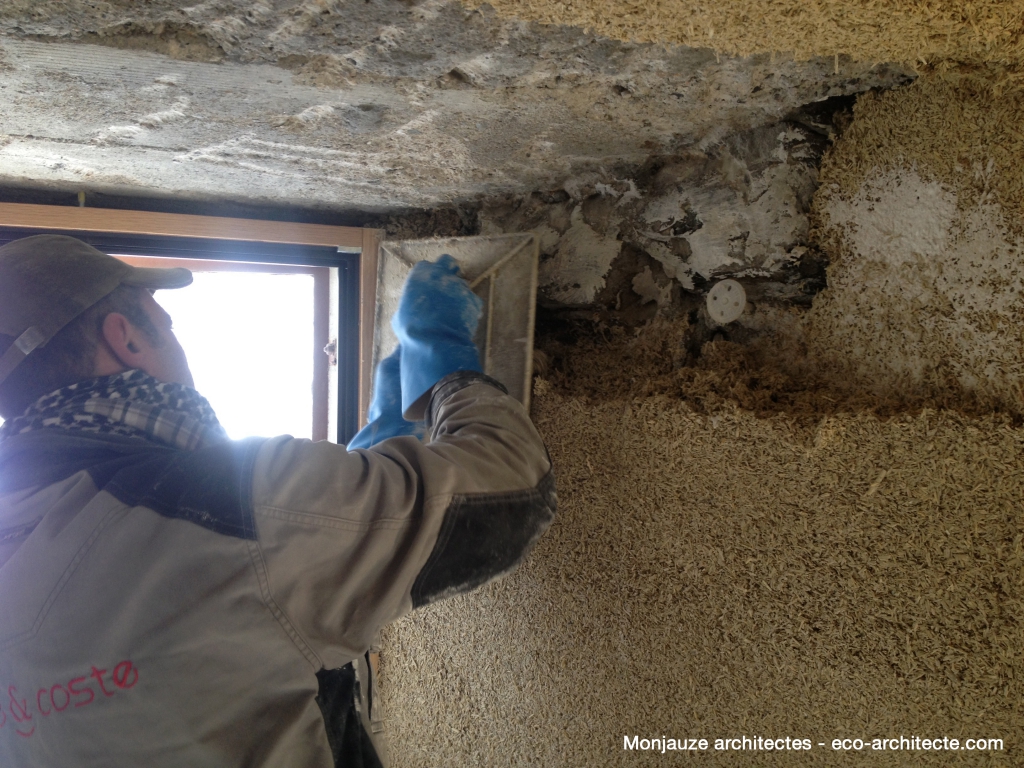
point(917, 32)
point(921, 211)
point(800, 566)
point(722, 575)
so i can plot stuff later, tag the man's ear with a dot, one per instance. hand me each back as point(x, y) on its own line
point(122, 340)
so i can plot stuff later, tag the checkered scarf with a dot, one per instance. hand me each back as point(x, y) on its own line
point(133, 404)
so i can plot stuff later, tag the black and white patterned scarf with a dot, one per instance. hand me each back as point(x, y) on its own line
point(133, 404)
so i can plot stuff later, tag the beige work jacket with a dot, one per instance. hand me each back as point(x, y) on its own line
point(170, 608)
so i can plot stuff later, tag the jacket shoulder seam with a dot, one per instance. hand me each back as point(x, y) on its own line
point(263, 580)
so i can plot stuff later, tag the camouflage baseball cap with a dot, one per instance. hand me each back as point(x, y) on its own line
point(46, 281)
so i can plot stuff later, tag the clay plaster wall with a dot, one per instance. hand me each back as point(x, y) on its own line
point(714, 571)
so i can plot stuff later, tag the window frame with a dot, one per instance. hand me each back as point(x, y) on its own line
point(350, 252)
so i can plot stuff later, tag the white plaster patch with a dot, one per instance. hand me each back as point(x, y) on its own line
point(124, 132)
point(927, 296)
point(896, 218)
point(161, 84)
point(281, 159)
point(674, 267)
point(478, 67)
point(118, 134)
point(724, 216)
point(577, 271)
point(747, 224)
point(753, 234)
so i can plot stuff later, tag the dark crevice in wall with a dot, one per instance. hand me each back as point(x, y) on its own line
point(714, 369)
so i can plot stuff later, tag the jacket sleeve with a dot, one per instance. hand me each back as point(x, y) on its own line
point(347, 541)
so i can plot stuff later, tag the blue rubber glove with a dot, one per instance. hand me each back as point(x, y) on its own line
point(385, 412)
point(435, 322)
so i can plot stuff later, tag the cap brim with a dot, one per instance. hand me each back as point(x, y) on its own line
point(157, 278)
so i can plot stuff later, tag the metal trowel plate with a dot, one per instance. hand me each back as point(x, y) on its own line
point(502, 270)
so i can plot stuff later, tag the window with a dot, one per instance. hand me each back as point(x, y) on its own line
point(268, 298)
point(255, 336)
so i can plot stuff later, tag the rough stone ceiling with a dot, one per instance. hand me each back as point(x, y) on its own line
point(373, 106)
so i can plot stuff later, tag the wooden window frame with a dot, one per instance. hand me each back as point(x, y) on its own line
point(351, 241)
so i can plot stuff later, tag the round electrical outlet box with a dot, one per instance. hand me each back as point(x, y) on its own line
point(726, 301)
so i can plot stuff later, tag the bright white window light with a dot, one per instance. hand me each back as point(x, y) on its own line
point(248, 337)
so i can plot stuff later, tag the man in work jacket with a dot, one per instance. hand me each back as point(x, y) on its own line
point(170, 597)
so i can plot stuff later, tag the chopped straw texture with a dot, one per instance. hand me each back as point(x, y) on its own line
point(720, 575)
point(916, 32)
point(964, 134)
point(764, 541)
point(921, 210)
